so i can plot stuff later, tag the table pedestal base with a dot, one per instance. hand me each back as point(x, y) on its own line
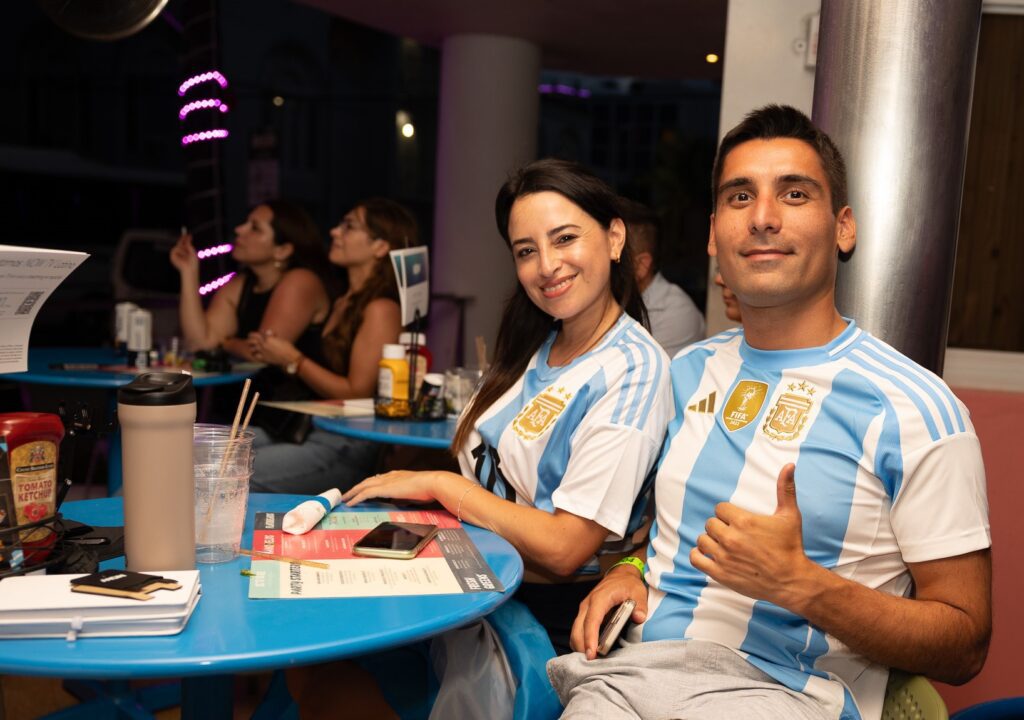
point(117, 699)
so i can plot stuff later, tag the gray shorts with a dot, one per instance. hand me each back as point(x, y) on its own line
point(677, 679)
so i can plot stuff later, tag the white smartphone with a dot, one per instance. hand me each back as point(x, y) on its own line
point(614, 623)
point(395, 540)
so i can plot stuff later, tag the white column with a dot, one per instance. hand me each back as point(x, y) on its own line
point(764, 62)
point(487, 126)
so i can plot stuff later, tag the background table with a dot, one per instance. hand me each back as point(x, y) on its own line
point(230, 633)
point(435, 434)
point(39, 372)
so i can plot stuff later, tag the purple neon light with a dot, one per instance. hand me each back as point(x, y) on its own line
point(218, 134)
point(560, 89)
point(213, 75)
point(215, 250)
point(201, 105)
point(214, 284)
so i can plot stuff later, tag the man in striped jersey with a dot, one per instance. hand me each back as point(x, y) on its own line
point(821, 513)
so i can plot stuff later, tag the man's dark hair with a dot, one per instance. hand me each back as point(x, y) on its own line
point(783, 121)
point(642, 228)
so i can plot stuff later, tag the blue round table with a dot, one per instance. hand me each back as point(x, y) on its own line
point(436, 434)
point(39, 372)
point(230, 633)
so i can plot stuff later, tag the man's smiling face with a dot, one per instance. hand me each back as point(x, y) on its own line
point(773, 231)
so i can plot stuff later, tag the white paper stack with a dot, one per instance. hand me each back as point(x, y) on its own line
point(45, 606)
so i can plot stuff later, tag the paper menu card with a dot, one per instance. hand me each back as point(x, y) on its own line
point(356, 407)
point(28, 276)
point(412, 271)
point(450, 564)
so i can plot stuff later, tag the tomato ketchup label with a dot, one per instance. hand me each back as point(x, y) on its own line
point(29, 444)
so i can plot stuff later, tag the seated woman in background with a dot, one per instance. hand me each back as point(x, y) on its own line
point(362, 321)
point(556, 445)
point(282, 286)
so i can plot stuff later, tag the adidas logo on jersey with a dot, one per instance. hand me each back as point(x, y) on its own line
point(707, 405)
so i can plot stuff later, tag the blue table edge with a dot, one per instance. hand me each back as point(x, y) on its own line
point(349, 427)
point(142, 667)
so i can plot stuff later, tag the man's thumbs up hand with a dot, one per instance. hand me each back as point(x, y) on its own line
point(786, 492)
point(760, 556)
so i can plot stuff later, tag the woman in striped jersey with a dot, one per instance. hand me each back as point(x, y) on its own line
point(556, 447)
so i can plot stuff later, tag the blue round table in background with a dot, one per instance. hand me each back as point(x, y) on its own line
point(40, 373)
point(436, 434)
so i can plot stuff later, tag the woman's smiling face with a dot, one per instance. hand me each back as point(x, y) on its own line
point(563, 256)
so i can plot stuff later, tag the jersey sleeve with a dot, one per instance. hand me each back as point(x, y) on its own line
point(941, 509)
point(610, 461)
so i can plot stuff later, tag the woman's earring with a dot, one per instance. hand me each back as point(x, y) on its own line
point(278, 264)
point(617, 259)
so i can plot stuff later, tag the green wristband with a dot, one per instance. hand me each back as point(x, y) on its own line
point(635, 562)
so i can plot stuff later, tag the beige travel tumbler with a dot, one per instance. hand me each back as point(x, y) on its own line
point(156, 412)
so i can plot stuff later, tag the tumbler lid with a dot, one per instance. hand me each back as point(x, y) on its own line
point(158, 388)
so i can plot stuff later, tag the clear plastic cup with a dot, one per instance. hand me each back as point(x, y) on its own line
point(222, 469)
point(459, 386)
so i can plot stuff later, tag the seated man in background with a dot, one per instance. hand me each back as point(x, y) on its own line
point(675, 320)
point(821, 521)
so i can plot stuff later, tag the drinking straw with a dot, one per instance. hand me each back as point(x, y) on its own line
point(258, 555)
point(229, 451)
point(234, 425)
point(248, 414)
point(481, 353)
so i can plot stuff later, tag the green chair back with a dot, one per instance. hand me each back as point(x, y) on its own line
point(912, 697)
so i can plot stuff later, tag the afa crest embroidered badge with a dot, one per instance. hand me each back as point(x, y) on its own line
point(788, 416)
point(541, 413)
point(744, 404)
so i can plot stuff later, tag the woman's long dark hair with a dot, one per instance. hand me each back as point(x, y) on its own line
point(524, 326)
point(393, 223)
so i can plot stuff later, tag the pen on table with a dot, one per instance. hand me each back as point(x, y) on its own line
point(257, 555)
point(74, 366)
point(62, 492)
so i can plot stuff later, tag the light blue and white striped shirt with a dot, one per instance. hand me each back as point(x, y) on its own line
point(888, 471)
point(583, 437)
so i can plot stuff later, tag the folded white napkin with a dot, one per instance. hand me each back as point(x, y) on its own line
point(304, 517)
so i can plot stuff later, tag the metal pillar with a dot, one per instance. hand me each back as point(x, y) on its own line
point(893, 89)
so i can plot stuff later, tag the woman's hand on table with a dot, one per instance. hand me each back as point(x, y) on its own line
point(417, 486)
point(267, 347)
point(183, 256)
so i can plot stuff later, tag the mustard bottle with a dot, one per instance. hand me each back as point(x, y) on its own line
point(393, 383)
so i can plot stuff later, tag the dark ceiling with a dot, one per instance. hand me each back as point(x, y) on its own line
point(655, 39)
